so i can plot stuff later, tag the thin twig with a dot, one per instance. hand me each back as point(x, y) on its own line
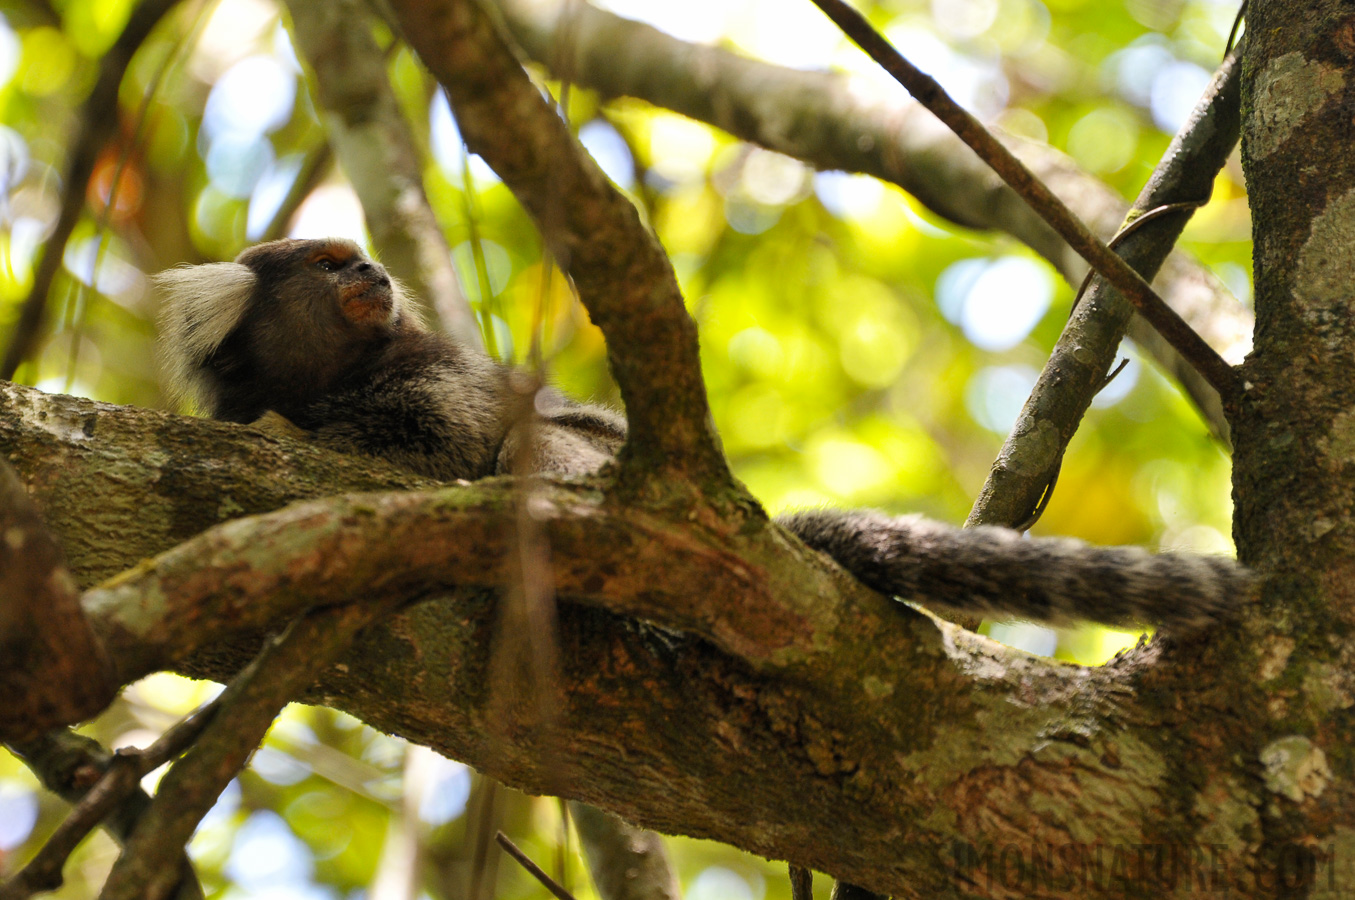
point(1100, 257)
point(281, 672)
point(801, 883)
point(98, 118)
point(536, 871)
point(79, 306)
point(121, 779)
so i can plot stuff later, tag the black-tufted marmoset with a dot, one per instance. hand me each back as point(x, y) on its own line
point(316, 332)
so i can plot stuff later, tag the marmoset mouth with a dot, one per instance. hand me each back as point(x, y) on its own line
point(366, 302)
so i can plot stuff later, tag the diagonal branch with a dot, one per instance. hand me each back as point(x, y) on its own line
point(622, 274)
point(1029, 461)
point(283, 670)
point(104, 789)
point(1104, 260)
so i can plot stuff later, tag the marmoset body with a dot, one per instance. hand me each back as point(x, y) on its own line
point(319, 334)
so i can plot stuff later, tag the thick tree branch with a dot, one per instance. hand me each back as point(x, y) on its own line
point(373, 143)
point(622, 274)
point(250, 574)
point(55, 669)
point(835, 750)
point(827, 121)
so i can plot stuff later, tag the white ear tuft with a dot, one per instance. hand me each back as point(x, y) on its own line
point(201, 306)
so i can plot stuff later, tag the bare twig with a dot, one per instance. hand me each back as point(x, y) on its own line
point(98, 119)
point(121, 780)
point(71, 765)
point(801, 883)
point(286, 667)
point(1030, 458)
point(536, 871)
point(1112, 267)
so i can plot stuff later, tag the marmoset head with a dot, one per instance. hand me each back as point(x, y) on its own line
point(278, 326)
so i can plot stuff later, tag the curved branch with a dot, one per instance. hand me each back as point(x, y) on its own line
point(819, 722)
point(622, 274)
point(55, 669)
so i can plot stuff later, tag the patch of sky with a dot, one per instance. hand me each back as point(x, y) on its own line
point(995, 395)
point(1134, 69)
point(283, 49)
point(996, 302)
point(680, 150)
point(1176, 90)
point(26, 235)
point(1025, 636)
point(270, 190)
point(787, 34)
point(978, 85)
point(964, 19)
point(1236, 279)
point(772, 178)
point(848, 195)
point(610, 152)
point(446, 791)
point(13, 159)
point(448, 149)
point(699, 21)
point(1121, 384)
point(115, 276)
point(11, 49)
point(253, 98)
point(18, 813)
point(237, 162)
point(719, 883)
point(268, 856)
point(277, 767)
point(332, 210)
point(226, 805)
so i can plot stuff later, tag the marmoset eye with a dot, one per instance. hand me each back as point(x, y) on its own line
point(326, 264)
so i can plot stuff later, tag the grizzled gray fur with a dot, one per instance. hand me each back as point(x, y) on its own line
point(317, 333)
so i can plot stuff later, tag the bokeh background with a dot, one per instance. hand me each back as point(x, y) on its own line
point(858, 350)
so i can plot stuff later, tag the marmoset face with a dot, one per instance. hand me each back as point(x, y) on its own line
point(326, 283)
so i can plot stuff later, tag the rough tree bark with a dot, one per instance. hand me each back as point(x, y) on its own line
point(750, 692)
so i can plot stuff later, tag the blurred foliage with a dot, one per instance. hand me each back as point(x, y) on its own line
point(858, 351)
